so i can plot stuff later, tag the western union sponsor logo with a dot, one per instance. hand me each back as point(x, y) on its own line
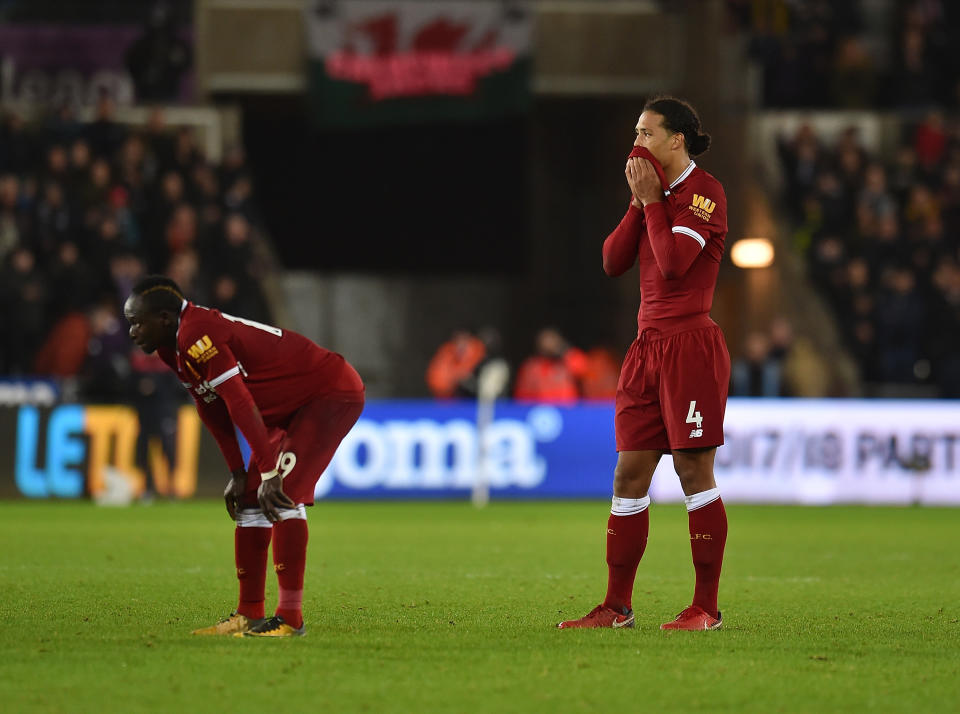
point(200, 346)
point(703, 203)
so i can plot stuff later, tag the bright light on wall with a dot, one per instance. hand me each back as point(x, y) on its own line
point(752, 253)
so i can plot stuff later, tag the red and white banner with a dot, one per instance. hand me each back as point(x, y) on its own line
point(369, 56)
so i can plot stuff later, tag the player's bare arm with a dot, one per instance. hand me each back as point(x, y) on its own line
point(273, 499)
point(233, 494)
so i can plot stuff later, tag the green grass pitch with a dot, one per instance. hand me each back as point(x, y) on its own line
point(438, 607)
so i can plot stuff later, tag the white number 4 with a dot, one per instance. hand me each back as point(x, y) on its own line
point(693, 417)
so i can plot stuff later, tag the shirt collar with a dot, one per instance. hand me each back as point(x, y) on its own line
point(183, 306)
point(686, 172)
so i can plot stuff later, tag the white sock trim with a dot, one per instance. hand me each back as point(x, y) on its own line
point(629, 506)
point(699, 500)
point(254, 517)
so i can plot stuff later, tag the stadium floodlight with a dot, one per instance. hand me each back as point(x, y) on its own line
point(752, 253)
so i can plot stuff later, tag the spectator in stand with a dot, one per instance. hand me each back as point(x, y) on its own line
point(781, 339)
point(901, 316)
point(949, 199)
point(453, 364)
point(105, 134)
point(136, 169)
point(158, 140)
point(156, 395)
point(553, 374)
point(64, 351)
point(904, 173)
point(160, 210)
point(13, 224)
point(58, 165)
point(599, 381)
point(186, 154)
point(23, 297)
point(875, 201)
point(79, 171)
point(185, 269)
point(854, 76)
point(238, 196)
point(492, 366)
point(930, 141)
point(62, 126)
point(945, 316)
point(234, 253)
point(800, 158)
point(234, 165)
point(205, 194)
point(125, 268)
point(181, 230)
point(757, 373)
point(17, 145)
point(106, 371)
point(158, 58)
point(915, 80)
point(72, 284)
point(53, 222)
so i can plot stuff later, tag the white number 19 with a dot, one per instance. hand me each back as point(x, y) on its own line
point(693, 417)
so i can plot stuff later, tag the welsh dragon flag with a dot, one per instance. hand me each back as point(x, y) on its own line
point(405, 61)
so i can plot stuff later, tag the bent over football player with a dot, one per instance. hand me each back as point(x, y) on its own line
point(672, 392)
point(292, 400)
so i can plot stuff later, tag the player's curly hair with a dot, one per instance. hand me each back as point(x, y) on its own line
point(159, 293)
point(681, 118)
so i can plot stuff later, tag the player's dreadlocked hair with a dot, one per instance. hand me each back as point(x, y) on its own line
point(159, 293)
point(681, 118)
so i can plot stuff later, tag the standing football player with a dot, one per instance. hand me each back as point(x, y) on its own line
point(293, 402)
point(673, 384)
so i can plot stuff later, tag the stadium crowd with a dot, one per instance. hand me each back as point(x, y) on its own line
point(881, 237)
point(87, 209)
point(845, 55)
point(774, 363)
point(556, 372)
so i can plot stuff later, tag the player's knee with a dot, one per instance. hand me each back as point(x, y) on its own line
point(695, 470)
point(694, 480)
point(627, 477)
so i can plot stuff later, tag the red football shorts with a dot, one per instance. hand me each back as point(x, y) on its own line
point(672, 392)
point(309, 440)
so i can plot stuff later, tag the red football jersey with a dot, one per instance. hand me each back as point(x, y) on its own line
point(678, 243)
point(280, 370)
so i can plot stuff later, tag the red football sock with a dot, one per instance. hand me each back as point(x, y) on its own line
point(626, 541)
point(250, 553)
point(708, 535)
point(290, 560)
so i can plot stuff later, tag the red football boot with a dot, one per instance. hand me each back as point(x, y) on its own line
point(601, 616)
point(694, 618)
